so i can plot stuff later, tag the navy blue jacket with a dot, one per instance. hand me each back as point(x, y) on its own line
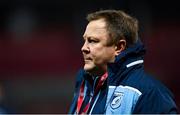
point(128, 88)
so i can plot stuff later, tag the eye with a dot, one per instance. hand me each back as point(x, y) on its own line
point(91, 40)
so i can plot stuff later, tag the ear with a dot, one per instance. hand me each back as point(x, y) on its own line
point(120, 46)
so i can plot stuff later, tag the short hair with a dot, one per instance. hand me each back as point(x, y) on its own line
point(119, 25)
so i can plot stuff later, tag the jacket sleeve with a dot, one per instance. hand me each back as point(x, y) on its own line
point(155, 101)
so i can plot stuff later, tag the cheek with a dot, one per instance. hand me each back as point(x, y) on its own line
point(97, 53)
point(103, 55)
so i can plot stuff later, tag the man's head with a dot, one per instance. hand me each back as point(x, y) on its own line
point(107, 34)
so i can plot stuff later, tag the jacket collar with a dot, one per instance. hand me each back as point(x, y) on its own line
point(131, 56)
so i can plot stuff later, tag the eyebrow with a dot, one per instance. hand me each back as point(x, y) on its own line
point(85, 36)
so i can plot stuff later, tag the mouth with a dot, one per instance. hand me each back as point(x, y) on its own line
point(87, 59)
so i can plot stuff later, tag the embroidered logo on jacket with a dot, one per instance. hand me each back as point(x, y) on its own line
point(117, 99)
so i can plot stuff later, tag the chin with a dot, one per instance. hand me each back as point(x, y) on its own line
point(88, 68)
point(93, 70)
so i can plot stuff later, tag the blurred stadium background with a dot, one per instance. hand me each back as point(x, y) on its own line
point(40, 43)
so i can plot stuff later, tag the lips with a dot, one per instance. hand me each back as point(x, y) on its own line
point(87, 59)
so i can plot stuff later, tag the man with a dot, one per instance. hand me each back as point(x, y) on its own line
point(113, 80)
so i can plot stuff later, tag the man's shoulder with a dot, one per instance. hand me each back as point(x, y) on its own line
point(154, 92)
point(146, 82)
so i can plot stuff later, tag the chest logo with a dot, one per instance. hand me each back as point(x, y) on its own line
point(117, 99)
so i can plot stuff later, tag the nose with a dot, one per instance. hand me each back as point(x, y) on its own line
point(85, 48)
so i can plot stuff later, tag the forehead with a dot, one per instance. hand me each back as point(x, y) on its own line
point(96, 27)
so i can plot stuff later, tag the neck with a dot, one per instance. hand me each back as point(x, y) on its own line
point(94, 75)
